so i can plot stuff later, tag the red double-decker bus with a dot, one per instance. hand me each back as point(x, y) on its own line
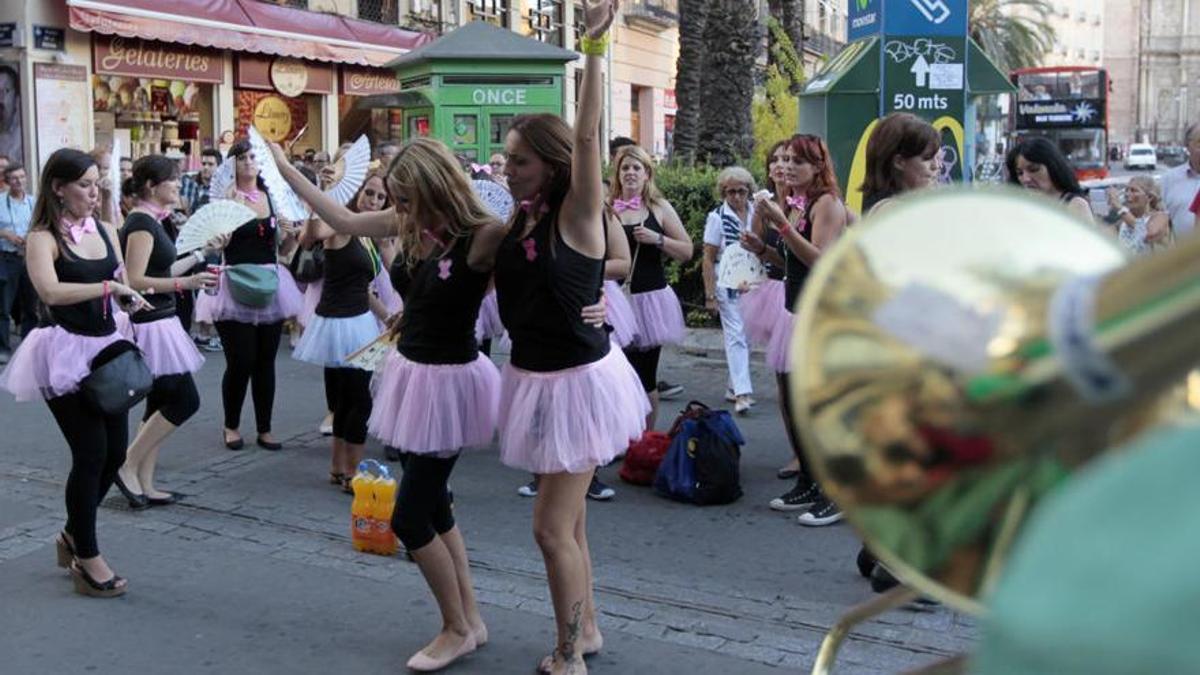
point(1068, 105)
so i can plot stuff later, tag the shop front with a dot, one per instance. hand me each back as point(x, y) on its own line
point(153, 97)
point(379, 124)
point(283, 98)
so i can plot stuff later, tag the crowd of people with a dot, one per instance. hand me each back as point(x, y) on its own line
point(576, 276)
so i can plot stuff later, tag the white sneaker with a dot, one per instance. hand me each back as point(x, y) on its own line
point(823, 512)
point(326, 426)
point(742, 406)
point(730, 396)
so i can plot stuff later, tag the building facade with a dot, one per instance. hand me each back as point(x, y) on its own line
point(1122, 27)
point(1168, 70)
point(1079, 29)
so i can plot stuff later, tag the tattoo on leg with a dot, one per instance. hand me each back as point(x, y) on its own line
point(567, 648)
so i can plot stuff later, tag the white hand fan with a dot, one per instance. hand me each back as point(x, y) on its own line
point(350, 171)
point(287, 203)
point(740, 269)
point(114, 176)
point(212, 220)
point(498, 200)
point(221, 185)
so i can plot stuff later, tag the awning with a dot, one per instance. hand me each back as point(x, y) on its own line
point(248, 26)
point(983, 77)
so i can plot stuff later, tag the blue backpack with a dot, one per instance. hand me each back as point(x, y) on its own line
point(701, 466)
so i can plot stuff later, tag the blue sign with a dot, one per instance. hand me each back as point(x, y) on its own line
point(907, 17)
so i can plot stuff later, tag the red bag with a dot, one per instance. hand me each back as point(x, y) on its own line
point(643, 457)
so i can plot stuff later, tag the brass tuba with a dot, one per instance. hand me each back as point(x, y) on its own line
point(961, 355)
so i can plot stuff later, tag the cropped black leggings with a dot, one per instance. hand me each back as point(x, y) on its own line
point(645, 364)
point(423, 506)
point(250, 352)
point(174, 396)
point(348, 395)
point(97, 444)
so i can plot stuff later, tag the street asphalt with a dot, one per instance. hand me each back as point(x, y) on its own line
point(254, 572)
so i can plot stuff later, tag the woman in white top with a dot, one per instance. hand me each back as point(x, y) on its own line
point(1142, 224)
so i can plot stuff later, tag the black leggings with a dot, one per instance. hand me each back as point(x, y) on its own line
point(645, 364)
point(789, 420)
point(97, 444)
point(249, 360)
point(174, 396)
point(423, 506)
point(348, 394)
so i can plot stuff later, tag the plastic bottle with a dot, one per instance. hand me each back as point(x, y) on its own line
point(385, 504)
point(362, 525)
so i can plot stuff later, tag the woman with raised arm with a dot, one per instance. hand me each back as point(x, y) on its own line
point(251, 335)
point(436, 394)
point(653, 230)
point(570, 400)
point(151, 265)
point(814, 219)
point(72, 260)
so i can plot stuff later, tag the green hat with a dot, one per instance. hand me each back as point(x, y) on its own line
point(1105, 578)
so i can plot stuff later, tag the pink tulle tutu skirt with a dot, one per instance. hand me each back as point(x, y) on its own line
point(434, 409)
point(312, 298)
point(203, 311)
point(570, 420)
point(620, 314)
point(121, 319)
point(387, 295)
point(51, 362)
point(488, 326)
point(762, 308)
point(287, 303)
point(167, 347)
point(659, 318)
point(779, 350)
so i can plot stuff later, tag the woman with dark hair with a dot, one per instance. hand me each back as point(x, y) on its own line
point(151, 265)
point(72, 260)
point(902, 156)
point(1037, 164)
point(251, 335)
point(814, 219)
point(570, 400)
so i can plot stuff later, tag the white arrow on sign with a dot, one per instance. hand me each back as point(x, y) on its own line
point(921, 70)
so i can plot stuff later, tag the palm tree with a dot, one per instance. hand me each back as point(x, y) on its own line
point(1013, 33)
point(731, 43)
point(689, 75)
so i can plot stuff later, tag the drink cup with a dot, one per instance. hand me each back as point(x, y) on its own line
point(215, 270)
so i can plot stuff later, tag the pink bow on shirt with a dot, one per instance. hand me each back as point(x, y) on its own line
point(155, 211)
point(252, 196)
point(528, 205)
point(797, 203)
point(77, 230)
point(484, 168)
point(621, 205)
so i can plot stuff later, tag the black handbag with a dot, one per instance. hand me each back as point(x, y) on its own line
point(119, 379)
point(309, 264)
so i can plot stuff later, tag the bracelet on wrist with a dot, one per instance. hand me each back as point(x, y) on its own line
point(590, 46)
point(785, 228)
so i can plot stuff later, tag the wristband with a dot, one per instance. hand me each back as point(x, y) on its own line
point(785, 228)
point(593, 46)
point(178, 288)
point(104, 300)
point(198, 256)
point(661, 239)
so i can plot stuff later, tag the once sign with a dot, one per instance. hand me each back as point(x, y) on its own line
point(498, 96)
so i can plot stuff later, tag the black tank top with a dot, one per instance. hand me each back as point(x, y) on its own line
point(795, 268)
point(254, 242)
point(162, 256)
point(771, 239)
point(345, 291)
point(647, 274)
point(442, 295)
point(541, 291)
point(90, 316)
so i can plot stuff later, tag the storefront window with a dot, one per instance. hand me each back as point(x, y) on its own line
point(418, 126)
point(492, 11)
point(500, 125)
point(151, 116)
point(466, 129)
point(546, 21)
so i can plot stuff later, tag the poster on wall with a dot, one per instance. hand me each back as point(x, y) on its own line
point(58, 90)
point(12, 143)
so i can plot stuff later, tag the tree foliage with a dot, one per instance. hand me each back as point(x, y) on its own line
point(1013, 33)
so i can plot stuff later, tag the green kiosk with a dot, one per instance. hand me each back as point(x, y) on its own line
point(904, 56)
point(466, 87)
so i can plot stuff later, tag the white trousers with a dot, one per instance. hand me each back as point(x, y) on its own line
point(737, 348)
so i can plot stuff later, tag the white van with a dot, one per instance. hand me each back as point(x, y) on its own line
point(1141, 156)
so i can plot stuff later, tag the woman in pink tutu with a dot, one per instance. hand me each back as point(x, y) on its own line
point(72, 260)
point(151, 265)
point(570, 401)
point(762, 307)
point(814, 218)
point(436, 394)
point(251, 335)
point(652, 229)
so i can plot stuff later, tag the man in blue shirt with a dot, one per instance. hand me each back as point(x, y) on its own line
point(16, 213)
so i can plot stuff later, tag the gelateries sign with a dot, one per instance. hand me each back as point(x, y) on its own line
point(134, 57)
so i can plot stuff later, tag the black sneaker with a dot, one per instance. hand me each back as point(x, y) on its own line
point(667, 390)
point(529, 489)
point(800, 497)
point(823, 512)
point(866, 562)
point(599, 491)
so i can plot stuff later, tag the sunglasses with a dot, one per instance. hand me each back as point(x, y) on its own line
point(737, 191)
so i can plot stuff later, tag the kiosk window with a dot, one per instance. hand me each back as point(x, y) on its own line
point(466, 130)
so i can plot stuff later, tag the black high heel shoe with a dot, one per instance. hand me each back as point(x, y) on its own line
point(86, 585)
point(65, 551)
point(136, 502)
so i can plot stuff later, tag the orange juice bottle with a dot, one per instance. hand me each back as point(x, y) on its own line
point(362, 526)
point(385, 504)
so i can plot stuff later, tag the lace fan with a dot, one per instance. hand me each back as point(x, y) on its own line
point(221, 184)
point(740, 269)
point(350, 171)
point(498, 200)
point(287, 203)
point(212, 220)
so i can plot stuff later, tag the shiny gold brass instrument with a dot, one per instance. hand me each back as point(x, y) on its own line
point(958, 357)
